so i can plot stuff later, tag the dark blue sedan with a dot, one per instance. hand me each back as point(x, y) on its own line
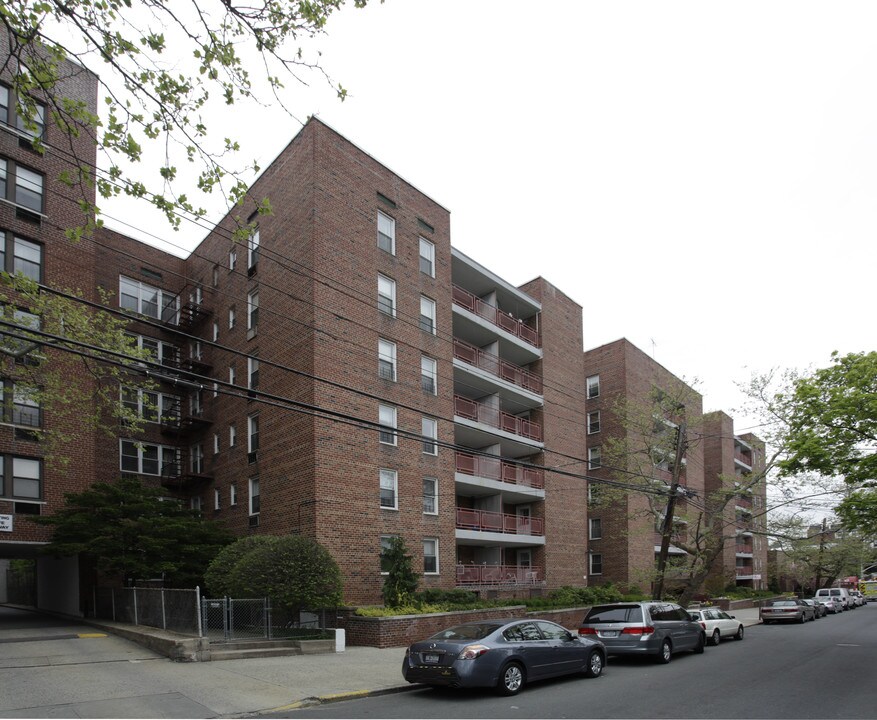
point(502, 654)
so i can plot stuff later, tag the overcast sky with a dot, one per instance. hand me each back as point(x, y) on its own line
point(701, 177)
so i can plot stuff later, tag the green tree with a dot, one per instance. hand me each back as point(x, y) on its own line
point(401, 581)
point(165, 67)
point(130, 530)
point(218, 578)
point(296, 572)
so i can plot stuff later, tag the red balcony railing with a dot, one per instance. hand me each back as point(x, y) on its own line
point(479, 412)
point(496, 469)
point(743, 549)
point(489, 521)
point(743, 502)
point(495, 366)
point(745, 459)
point(499, 575)
point(512, 325)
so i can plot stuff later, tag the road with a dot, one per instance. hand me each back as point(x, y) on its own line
point(823, 669)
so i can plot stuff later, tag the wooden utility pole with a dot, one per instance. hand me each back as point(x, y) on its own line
point(667, 529)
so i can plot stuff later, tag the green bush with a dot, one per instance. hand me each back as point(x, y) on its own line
point(218, 575)
point(452, 598)
point(401, 581)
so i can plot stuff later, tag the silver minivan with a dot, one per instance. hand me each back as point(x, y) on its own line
point(644, 628)
point(841, 594)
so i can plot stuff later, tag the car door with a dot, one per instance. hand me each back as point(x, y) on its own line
point(532, 648)
point(686, 632)
point(565, 654)
point(727, 625)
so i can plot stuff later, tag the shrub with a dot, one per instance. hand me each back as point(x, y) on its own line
point(401, 581)
point(218, 575)
point(452, 598)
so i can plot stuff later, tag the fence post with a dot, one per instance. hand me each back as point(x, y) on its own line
point(199, 610)
point(135, 605)
point(226, 617)
point(163, 617)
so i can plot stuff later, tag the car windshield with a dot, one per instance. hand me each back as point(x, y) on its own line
point(614, 613)
point(783, 603)
point(475, 631)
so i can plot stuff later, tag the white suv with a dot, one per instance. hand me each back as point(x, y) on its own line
point(841, 594)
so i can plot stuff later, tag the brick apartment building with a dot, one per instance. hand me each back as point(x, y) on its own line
point(345, 374)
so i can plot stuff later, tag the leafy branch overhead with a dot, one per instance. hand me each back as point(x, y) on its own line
point(163, 66)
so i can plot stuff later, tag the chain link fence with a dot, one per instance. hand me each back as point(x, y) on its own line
point(230, 619)
point(165, 608)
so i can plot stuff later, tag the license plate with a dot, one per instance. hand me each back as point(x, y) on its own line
point(430, 658)
point(609, 633)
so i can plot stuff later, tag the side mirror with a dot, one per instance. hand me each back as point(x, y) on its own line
point(733, 617)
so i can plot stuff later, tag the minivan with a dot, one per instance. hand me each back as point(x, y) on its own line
point(841, 594)
point(658, 629)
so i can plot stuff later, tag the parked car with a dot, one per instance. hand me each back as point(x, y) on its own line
point(502, 654)
point(832, 605)
point(644, 628)
point(818, 608)
point(717, 624)
point(841, 593)
point(792, 610)
point(857, 597)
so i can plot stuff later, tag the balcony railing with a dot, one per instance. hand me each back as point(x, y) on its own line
point(187, 310)
point(499, 575)
point(494, 315)
point(495, 366)
point(743, 502)
point(479, 412)
point(496, 469)
point(745, 459)
point(488, 521)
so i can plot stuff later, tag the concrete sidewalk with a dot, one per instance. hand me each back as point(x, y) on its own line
point(69, 669)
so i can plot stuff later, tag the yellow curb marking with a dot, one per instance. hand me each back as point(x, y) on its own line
point(91, 635)
point(322, 698)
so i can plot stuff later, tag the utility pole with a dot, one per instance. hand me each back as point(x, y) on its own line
point(667, 529)
point(821, 553)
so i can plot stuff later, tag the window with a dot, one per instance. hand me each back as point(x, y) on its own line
point(252, 373)
point(255, 502)
point(386, 545)
point(427, 257)
point(430, 556)
point(160, 352)
point(386, 233)
point(232, 375)
point(593, 422)
point(387, 295)
point(215, 331)
point(387, 360)
point(594, 493)
point(216, 443)
point(593, 384)
point(232, 435)
point(146, 458)
point(595, 562)
point(18, 255)
point(387, 419)
point(427, 314)
point(19, 346)
point(428, 375)
point(389, 489)
point(430, 496)
point(252, 433)
point(216, 389)
point(233, 494)
point(429, 430)
point(20, 185)
point(594, 460)
point(252, 311)
point(4, 105)
point(196, 459)
point(146, 300)
point(37, 123)
point(216, 276)
point(150, 405)
point(195, 503)
point(232, 258)
point(253, 251)
point(26, 408)
point(595, 529)
point(217, 499)
point(27, 477)
point(231, 317)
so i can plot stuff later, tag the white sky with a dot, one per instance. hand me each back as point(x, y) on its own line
point(697, 175)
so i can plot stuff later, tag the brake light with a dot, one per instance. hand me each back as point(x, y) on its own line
point(638, 630)
point(703, 625)
point(587, 631)
point(470, 652)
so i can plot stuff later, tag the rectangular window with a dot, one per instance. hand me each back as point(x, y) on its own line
point(37, 122)
point(389, 489)
point(146, 458)
point(4, 105)
point(26, 409)
point(196, 459)
point(427, 257)
point(387, 360)
point(216, 443)
point(387, 419)
point(430, 556)
point(232, 494)
point(231, 317)
point(232, 259)
point(386, 233)
point(25, 321)
point(386, 542)
point(428, 375)
point(147, 300)
point(255, 502)
point(216, 276)
point(27, 478)
point(387, 296)
point(28, 189)
point(430, 496)
point(232, 375)
point(429, 430)
point(593, 383)
point(595, 529)
point(195, 503)
point(595, 564)
point(252, 433)
point(427, 314)
point(252, 311)
point(594, 460)
point(217, 499)
point(215, 331)
point(27, 258)
point(593, 422)
point(253, 251)
point(252, 373)
point(594, 493)
point(232, 435)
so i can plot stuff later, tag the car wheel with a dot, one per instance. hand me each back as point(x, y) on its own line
point(511, 679)
point(717, 637)
point(594, 666)
point(739, 635)
point(701, 644)
point(666, 653)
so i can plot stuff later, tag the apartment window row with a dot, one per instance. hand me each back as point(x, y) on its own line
point(147, 458)
point(19, 255)
point(158, 350)
point(387, 243)
point(387, 367)
point(147, 300)
point(387, 420)
point(21, 478)
point(387, 304)
point(21, 185)
point(389, 492)
point(150, 405)
point(11, 117)
point(430, 555)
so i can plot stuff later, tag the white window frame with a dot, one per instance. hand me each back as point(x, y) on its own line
point(217, 499)
point(427, 257)
point(216, 443)
point(232, 494)
point(252, 311)
point(591, 563)
point(593, 384)
point(231, 317)
point(595, 459)
point(254, 494)
point(389, 481)
point(434, 542)
point(387, 419)
point(252, 372)
point(253, 433)
point(215, 331)
point(253, 249)
point(135, 289)
point(429, 431)
point(232, 259)
point(592, 523)
point(430, 498)
point(389, 223)
point(428, 315)
point(385, 545)
point(232, 375)
point(429, 372)
point(595, 414)
point(232, 435)
point(387, 294)
point(140, 448)
point(387, 354)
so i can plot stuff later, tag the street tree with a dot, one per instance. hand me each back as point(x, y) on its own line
point(401, 581)
point(131, 531)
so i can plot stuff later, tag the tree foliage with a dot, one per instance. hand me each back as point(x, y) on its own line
point(296, 572)
point(164, 67)
point(401, 581)
point(130, 530)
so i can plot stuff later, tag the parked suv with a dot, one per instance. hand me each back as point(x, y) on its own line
point(841, 594)
point(644, 628)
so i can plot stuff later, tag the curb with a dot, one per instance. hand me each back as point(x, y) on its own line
point(340, 697)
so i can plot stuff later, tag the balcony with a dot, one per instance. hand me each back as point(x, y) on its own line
point(743, 459)
point(182, 476)
point(495, 316)
point(494, 417)
point(180, 419)
point(744, 503)
point(496, 469)
point(191, 311)
point(499, 575)
point(488, 521)
point(494, 365)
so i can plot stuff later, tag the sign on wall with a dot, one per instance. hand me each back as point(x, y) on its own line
point(5, 523)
